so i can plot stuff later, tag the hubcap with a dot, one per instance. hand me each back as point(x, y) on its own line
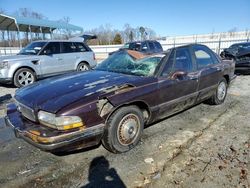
point(128, 129)
point(25, 78)
point(83, 67)
point(221, 91)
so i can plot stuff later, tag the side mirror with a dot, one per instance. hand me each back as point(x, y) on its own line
point(47, 52)
point(178, 75)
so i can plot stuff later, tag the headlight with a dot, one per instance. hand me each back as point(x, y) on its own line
point(4, 65)
point(61, 122)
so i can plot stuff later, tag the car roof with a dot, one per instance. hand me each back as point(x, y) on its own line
point(55, 41)
point(189, 45)
point(140, 41)
point(240, 43)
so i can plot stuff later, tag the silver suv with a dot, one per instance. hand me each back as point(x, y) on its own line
point(45, 58)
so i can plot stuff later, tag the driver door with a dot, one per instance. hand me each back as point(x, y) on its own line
point(51, 60)
point(178, 82)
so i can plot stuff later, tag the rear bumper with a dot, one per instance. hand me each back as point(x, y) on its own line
point(50, 139)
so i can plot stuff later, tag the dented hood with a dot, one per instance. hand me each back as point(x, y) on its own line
point(55, 93)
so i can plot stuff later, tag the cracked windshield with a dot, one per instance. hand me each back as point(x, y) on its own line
point(125, 63)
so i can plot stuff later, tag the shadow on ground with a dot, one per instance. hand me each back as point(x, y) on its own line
point(101, 175)
point(5, 98)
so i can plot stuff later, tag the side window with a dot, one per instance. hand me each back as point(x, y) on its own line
point(183, 60)
point(52, 48)
point(203, 57)
point(144, 47)
point(158, 46)
point(68, 47)
point(169, 65)
point(151, 46)
point(80, 47)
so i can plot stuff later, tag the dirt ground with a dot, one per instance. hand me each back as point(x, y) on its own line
point(205, 146)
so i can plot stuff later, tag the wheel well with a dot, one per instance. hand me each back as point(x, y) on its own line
point(227, 78)
point(83, 62)
point(140, 104)
point(23, 68)
point(143, 107)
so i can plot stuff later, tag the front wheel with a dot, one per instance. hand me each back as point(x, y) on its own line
point(83, 67)
point(24, 77)
point(220, 94)
point(124, 129)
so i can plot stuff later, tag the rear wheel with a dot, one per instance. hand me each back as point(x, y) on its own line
point(24, 77)
point(124, 129)
point(220, 94)
point(83, 67)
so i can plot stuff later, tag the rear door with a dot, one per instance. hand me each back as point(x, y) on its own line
point(69, 55)
point(178, 82)
point(210, 70)
point(84, 53)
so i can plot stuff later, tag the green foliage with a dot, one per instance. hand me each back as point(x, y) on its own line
point(117, 39)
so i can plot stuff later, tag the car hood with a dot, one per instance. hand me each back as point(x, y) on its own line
point(17, 57)
point(238, 53)
point(55, 93)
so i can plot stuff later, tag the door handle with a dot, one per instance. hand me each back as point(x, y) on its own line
point(59, 59)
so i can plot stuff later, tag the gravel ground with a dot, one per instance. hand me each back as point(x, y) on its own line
point(205, 146)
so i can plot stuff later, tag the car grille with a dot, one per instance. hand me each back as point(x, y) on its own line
point(26, 111)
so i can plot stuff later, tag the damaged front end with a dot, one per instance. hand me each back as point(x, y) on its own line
point(51, 139)
point(104, 106)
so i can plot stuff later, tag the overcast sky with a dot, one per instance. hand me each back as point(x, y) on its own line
point(166, 17)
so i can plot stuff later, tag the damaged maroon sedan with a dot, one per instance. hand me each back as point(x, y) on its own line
point(114, 102)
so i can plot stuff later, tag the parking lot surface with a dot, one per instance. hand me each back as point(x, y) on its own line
point(205, 146)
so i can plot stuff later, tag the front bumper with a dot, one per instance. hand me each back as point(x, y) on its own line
point(5, 80)
point(4, 76)
point(49, 139)
point(242, 68)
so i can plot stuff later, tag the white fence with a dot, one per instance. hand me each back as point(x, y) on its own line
point(216, 41)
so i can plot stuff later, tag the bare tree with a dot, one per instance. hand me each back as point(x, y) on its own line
point(150, 33)
point(142, 32)
point(66, 32)
point(106, 34)
point(127, 33)
point(131, 36)
point(25, 12)
point(2, 32)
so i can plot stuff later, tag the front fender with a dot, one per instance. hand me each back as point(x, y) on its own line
point(27, 64)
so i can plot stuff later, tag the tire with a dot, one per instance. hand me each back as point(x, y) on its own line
point(82, 67)
point(220, 94)
point(123, 123)
point(24, 77)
